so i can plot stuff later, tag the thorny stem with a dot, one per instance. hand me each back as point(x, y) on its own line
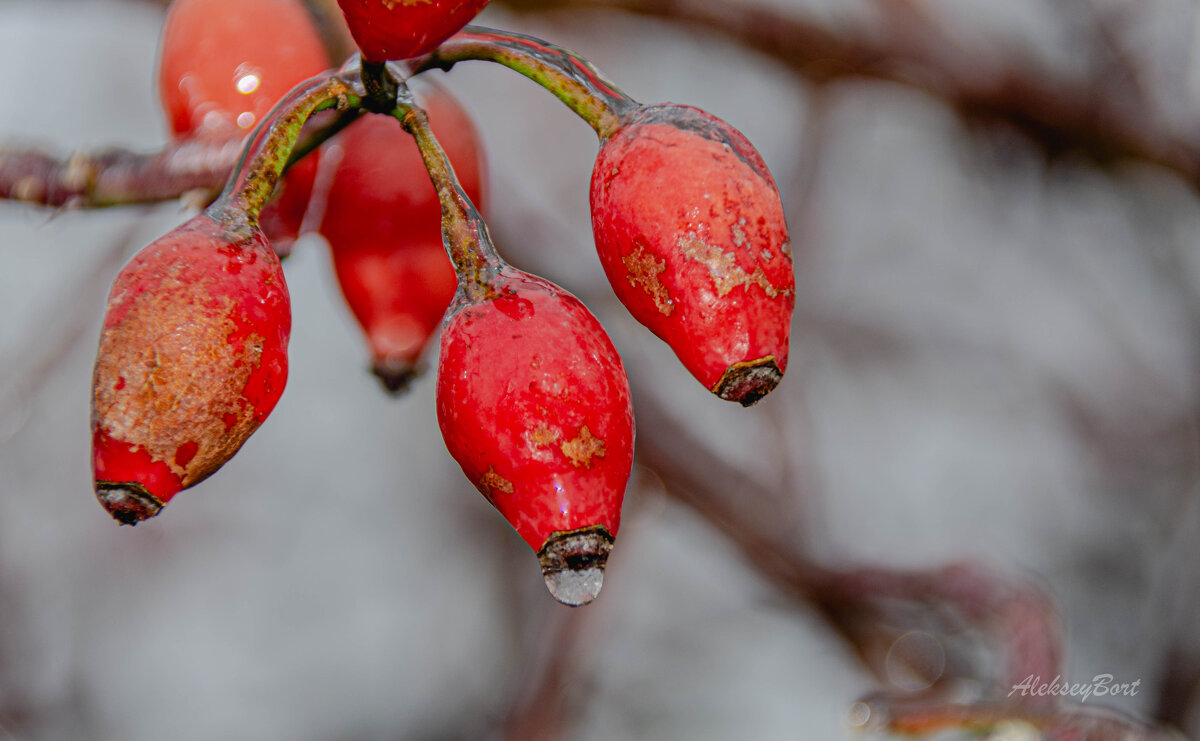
point(464, 232)
point(269, 148)
point(570, 77)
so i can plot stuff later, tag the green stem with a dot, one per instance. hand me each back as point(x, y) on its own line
point(318, 135)
point(268, 150)
point(464, 232)
point(570, 77)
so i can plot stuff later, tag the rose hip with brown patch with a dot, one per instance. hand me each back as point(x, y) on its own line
point(534, 404)
point(400, 29)
point(690, 230)
point(383, 223)
point(192, 359)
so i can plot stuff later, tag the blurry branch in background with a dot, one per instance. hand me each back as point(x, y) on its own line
point(1106, 115)
point(915, 628)
point(542, 708)
point(21, 385)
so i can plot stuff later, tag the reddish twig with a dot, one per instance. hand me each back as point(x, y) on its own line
point(542, 709)
point(115, 177)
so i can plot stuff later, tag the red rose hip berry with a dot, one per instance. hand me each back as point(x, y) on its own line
point(400, 29)
point(223, 64)
point(192, 359)
point(534, 404)
point(383, 223)
point(690, 230)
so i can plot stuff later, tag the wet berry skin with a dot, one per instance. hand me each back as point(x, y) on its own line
point(223, 64)
point(400, 29)
point(691, 233)
point(192, 359)
point(534, 404)
point(383, 223)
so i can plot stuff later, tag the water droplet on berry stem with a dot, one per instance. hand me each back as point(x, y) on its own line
point(573, 564)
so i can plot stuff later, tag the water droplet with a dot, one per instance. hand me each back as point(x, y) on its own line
point(245, 119)
point(247, 84)
point(573, 564)
point(859, 715)
point(575, 588)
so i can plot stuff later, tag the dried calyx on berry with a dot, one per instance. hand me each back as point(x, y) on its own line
point(192, 359)
point(222, 66)
point(690, 230)
point(534, 404)
point(401, 30)
point(383, 224)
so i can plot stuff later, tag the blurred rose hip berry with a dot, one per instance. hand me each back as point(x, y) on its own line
point(400, 29)
point(222, 66)
point(383, 223)
point(690, 230)
point(192, 359)
point(534, 404)
point(224, 63)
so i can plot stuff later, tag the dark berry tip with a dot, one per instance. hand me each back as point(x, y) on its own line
point(395, 375)
point(129, 503)
point(748, 382)
point(573, 564)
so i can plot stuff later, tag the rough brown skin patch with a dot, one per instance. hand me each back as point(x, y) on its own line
point(723, 268)
point(739, 233)
point(493, 481)
point(543, 436)
point(395, 374)
point(644, 270)
point(584, 448)
point(182, 379)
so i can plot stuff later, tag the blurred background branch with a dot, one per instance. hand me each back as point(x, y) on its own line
point(1103, 112)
